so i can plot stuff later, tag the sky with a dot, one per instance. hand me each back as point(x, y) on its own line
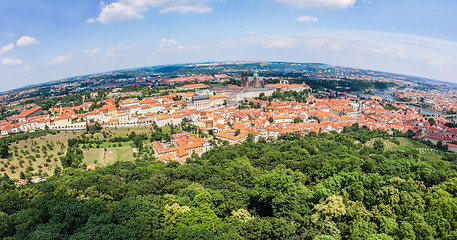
point(42, 40)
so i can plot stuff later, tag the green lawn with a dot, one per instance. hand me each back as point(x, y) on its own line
point(115, 144)
point(405, 144)
point(106, 156)
point(124, 131)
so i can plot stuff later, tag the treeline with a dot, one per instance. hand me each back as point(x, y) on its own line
point(286, 96)
point(344, 85)
point(330, 186)
point(15, 137)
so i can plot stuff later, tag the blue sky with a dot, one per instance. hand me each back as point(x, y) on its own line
point(42, 40)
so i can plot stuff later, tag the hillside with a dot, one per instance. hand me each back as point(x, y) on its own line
point(312, 187)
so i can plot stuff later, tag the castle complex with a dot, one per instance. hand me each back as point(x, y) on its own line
point(251, 82)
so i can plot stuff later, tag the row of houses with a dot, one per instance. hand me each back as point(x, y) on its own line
point(182, 146)
point(210, 113)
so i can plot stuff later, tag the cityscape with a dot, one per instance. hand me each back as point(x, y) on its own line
point(201, 119)
point(230, 113)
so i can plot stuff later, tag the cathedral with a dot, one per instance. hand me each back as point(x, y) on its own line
point(251, 82)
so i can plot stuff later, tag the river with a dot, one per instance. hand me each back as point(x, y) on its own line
point(385, 94)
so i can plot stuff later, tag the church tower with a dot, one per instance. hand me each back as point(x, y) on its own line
point(251, 82)
point(257, 81)
point(244, 80)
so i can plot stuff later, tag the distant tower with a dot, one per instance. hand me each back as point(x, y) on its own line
point(257, 81)
point(251, 82)
point(360, 107)
point(244, 80)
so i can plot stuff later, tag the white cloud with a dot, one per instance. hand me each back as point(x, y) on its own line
point(249, 33)
point(436, 63)
point(406, 48)
point(11, 62)
point(26, 68)
point(26, 41)
point(125, 10)
point(167, 42)
point(59, 59)
point(116, 51)
point(193, 47)
point(118, 12)
point(91, 52)
point(320, 4)
point(6, 48)
point(282, 43)
point(172, 45)
point(307, 18)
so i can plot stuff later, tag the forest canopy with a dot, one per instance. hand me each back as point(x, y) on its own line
point(327, 186)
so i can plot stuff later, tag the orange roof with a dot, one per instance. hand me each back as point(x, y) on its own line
point(5, 123)
point(212, 97)
point(224, 134)
point(62, 118)
point(28, 112)
point(130, 100)
point(197, 85)
point(160, 148)
point(134, 106)
point(91, 166)
point(150, 114)
point(166, 157)
point(22, 182)
point(162, 117)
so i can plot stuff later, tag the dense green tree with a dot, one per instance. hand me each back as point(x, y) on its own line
point(324, 186)
point(378, 145)
point(144, 215)
point(4, 149)
point(104, 232)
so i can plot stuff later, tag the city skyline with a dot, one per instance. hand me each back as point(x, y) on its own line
point(42, 41)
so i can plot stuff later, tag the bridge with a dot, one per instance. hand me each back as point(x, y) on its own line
point(408, 103)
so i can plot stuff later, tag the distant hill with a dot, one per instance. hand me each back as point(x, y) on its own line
point(272, 68)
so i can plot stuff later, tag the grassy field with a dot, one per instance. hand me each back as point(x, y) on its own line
point(405, 144)
point(388, 145)
point(124, 131)
point(29, 156)
point(106, 156)
point(40, 155)
point(30, 153)
point(110, 144)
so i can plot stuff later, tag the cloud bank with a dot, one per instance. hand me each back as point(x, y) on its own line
point(375, 43)
point(319, 4)
point(307, 18)
point(6, 48)
point(26, 41)
point(125, 10)
point(391, 52)
point(59, 59)
point(11, 62)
